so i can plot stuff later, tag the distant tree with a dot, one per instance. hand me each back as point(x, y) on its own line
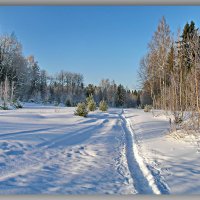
point(90, 90)
point(68, 103)
point(43, 85)
point(34, 78)
point(145, 98)
point(135, 93)
point(6, 91)
point(121, 95)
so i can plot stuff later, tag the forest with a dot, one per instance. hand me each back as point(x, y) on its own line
point(22, 79)
point(169, 75)
point(170, 72)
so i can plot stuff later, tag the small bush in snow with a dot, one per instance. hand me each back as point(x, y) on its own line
point(81, 110)
point(178, 119)
point(17, 104)
point(103, 106)
point(31, 101)
point(147, 108)
point(91, 104)
point(141, 106)
point(89, 98)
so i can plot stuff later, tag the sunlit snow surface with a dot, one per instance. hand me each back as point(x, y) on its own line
point(48, 150)
point(174, 163)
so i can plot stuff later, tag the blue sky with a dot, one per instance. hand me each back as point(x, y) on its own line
point(97, 41)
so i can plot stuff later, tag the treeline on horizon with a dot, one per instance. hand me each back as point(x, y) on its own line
point(170, 70)
point(22, 79)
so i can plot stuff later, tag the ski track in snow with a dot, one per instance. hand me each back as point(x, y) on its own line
point(146, 182)
point(169, 164)
point(140, 182)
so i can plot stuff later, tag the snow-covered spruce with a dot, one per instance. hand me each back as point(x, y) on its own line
point(91, 104)
point(81, 110)
point(103, 106)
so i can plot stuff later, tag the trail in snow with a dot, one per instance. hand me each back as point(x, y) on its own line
point(142, 183)
point(173, 163)
point(145, 181)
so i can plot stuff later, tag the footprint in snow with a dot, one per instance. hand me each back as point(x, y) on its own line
point(69, 155)
point(14, 152)
point(77, 151)
point(2, 165)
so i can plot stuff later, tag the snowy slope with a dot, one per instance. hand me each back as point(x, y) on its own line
point(48, 150)
point(174, 164)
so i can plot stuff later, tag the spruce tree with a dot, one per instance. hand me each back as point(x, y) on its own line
point(81, 110)
point(120, 95)
point(91, 104)
point(103, 106)
point(90, 89)
point(189, 32)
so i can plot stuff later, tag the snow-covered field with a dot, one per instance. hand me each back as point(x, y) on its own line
point(174, 163)
point(48, 150)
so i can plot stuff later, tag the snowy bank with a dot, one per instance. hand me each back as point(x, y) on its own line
point(174, 163)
